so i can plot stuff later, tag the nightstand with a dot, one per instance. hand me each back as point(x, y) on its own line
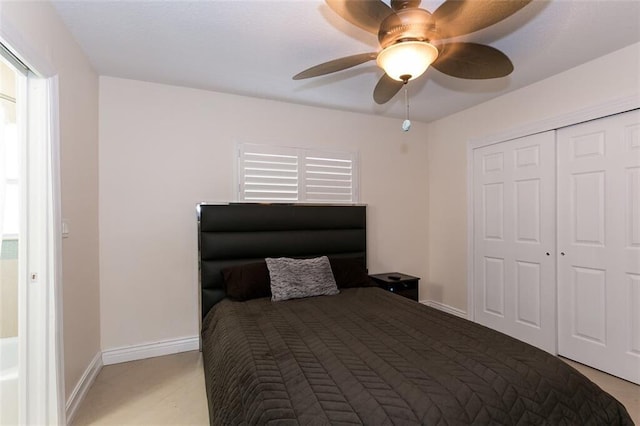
point(395, 282)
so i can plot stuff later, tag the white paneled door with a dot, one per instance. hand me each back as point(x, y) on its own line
point(599, 244)
point(514, 238)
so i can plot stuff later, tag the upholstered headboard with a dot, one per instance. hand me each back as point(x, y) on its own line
point(233, 234)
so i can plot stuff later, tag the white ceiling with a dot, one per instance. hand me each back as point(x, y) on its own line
point(254, 48)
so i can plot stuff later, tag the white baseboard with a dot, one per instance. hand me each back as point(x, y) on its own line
point(150, 350)
point(82, 387)
point(446, 308)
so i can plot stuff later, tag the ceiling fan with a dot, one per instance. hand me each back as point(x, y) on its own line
point(412, 39)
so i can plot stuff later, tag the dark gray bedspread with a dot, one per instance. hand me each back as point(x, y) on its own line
point(370, 357)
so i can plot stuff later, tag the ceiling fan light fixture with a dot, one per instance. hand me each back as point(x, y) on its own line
point(407, 58)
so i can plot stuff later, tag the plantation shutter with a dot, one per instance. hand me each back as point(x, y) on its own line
point(287, 174)
point(268, 173)
point(328, 177)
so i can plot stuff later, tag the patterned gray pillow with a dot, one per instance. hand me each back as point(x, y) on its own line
point(297, 278)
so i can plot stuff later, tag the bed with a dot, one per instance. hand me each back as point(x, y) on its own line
point(363, 355)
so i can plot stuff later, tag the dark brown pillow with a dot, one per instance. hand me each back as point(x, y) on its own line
point(248, 281)
point(350, 272)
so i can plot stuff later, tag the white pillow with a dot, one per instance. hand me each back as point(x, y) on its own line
point(297, 278)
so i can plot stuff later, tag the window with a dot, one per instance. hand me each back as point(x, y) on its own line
point(10, 252)
point(9, 155)
point(287, 174)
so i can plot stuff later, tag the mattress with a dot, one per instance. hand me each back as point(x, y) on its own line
point(367, 356)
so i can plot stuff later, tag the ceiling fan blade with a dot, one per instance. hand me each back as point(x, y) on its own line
point(366, 14)
point(472, 61)
point(386, 89)
point(459, 17)
point(336, 65)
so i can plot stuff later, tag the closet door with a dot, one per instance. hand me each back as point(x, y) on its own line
point(599, 244)
point(514, 238)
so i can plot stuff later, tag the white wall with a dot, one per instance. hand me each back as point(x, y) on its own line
point(616, 75)
point(45, 41)
point(165, 148)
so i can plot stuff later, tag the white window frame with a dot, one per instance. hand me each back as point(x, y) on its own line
point(298, 164)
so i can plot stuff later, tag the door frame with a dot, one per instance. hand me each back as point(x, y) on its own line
point(599, 110)
point(11, 36)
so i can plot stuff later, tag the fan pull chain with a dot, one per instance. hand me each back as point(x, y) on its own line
point(406, 124)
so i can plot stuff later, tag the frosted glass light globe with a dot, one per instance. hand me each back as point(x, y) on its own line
point(407, 59)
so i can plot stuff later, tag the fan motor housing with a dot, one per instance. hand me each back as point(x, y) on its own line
point(407, 24)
